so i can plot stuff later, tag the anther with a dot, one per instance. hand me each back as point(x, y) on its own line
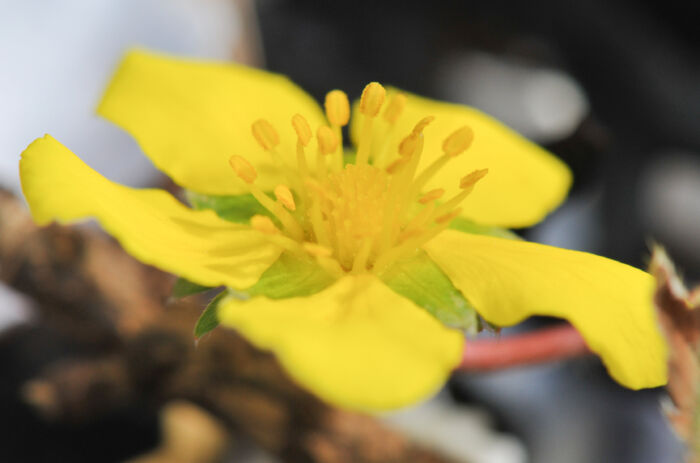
point(265, 134)
point(395, 166)
point(284, 196)
point(469, 180)
point(327, 141)
point(337, 108)
point(301, 126)
point(372, 99)
point(243, 169)
point(317, 250)
point(408, 145)
point(458, 141)
point(395, 108)
point(432, 195)
point(422, 124)
point(263, 224)
point(446, 218)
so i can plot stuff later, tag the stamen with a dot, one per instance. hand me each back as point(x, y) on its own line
point(458, 141)
point(372, 99)
point(406, 248)
point(317, 250)
point(301, 127)
point(395, 108)
point(395, 166)
point(469, 180)
point(327, 140)
point(263, 224)
point(247, 173)
point(391, 114)
point(467, 185)
point(323, 257)
point(432, 195)
point(447, 218)
point(243, 169)
point(337, 108)
point(422, 124)
point(327, 144)
point(370, 103)
point(284, 196)
point(265, 134)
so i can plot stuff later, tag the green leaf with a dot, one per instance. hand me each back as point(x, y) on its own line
point(421, 280)
point(184, 288)
point(467, 226)
point(209, 320)
point(238, 208)
point(291, 276)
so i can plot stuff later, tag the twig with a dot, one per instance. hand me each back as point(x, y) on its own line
point(96, 290)
point(545, 345)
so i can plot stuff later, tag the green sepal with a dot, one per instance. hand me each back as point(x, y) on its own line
point(291, 276)
point(209, 319)
point(422, 281)
point(467, 226)
point(238, 208)
point(185, 287)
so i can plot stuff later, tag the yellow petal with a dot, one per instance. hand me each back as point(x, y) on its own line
point(356, 344)
point(608, 302)
point(151, 225)
point(524, 183)
point(190, 117)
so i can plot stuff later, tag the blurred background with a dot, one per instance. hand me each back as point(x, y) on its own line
point(611, 87)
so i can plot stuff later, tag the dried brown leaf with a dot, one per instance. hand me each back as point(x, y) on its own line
point(680, 320)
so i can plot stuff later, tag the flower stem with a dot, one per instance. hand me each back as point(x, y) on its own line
point(545, 345)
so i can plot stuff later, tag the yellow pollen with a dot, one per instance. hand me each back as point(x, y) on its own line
point(372, 99)
point(432, 195)
point(265, 134)
point(301, 127)
point(243, 169)
point(458, 141)
point(327, 141)
point(469, 180)
point(263, 224)
point(284, 196)
point(395, 108)
point(337, 108)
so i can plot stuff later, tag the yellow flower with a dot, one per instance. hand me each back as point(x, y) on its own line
point(359, 276)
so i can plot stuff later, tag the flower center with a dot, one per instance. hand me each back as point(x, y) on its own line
point(361, 217)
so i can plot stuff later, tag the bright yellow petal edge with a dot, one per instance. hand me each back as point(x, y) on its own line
point(525, 182)
point(189, 116)
point(356, 344)
point(150, 224)
point(608, 302)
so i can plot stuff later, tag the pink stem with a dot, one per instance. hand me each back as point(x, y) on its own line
point(545, 345)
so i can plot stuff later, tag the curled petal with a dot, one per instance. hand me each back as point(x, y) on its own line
point(151, 224)
point(608, 302)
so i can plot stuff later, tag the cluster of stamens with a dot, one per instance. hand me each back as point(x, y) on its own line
point(357, 217)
